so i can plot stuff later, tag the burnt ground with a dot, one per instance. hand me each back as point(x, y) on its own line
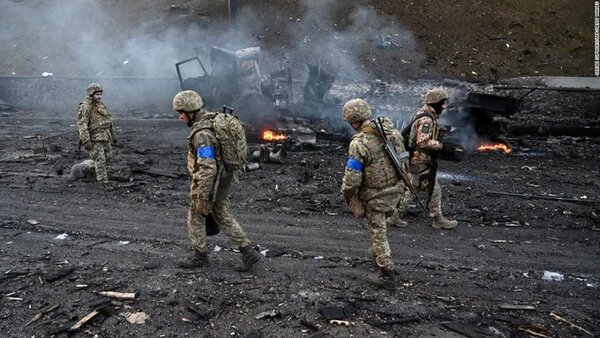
point(503, 252)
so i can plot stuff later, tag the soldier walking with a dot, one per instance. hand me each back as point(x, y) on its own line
point(96, 131)
point(424, 141)
point(210, 182)
point(371, 185)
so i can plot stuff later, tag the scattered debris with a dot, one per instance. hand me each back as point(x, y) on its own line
point(83, 170)
point(61, 236)
point(472, 330)
point(553, 276)
point(334, 312)
point(42, 313)
point(309, 325)
point(136, 318)
point(533, 333)
point(118, 295)
point(340, 322)
point(32, 222)
point(386, 325)
point(560, 319)
point(65, 271)
point(250, 166)
point(267, 314)
point(551, 198)
point(516, 307)
point(84, 320)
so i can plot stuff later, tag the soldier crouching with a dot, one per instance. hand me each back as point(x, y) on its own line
point(371, 185)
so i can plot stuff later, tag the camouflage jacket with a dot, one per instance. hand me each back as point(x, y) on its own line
point(369, 171)
point(94, 122)
point(204, 161)
point(424, 136)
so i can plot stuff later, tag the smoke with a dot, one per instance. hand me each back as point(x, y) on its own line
point(341, 42)
point(97, 40)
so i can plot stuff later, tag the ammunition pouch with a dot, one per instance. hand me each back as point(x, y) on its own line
point(105, 124)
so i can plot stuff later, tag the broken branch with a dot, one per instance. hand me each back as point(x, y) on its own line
point(84, 320)
point(118, 295)
point(41, 314)
point(560, 319)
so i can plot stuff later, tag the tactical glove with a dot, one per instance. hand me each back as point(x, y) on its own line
point(88, 146)
point(357, 206)
point(203, 207)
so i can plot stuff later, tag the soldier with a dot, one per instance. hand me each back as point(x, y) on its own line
point(371, 185)
point(424, 139)
point(210, 183)
point(96, 131)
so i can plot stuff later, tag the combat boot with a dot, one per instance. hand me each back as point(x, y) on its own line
point(106, 186)
point(249, 257)
point(441, 222)
point(197, 260)
point(386, 279)
point(397, 221)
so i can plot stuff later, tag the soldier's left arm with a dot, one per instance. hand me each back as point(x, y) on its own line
point(424, 128)
point(355, 166)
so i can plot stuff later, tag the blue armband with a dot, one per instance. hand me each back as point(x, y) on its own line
point(206, 152)
point(354, 164)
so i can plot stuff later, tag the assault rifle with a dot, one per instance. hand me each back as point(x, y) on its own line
point(396, 159)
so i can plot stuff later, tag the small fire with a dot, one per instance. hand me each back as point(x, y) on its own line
point(269, 135)
point(491, 147)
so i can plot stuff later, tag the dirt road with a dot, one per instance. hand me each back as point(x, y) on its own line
point(538, 253)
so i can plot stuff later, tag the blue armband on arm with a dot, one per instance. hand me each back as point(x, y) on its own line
point(206, 152)
point(354, 164)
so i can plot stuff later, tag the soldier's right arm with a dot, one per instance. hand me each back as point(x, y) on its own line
point(83, 118)
point(205, 168)
point(355, 166)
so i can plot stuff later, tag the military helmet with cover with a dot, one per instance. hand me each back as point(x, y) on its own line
point(93, 88)
point(435, 95)
point(187, 101)
point(356, 110)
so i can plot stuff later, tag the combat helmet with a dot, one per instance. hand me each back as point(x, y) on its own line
point(356, 110)
point(93, 88)
point(435, 95)
point(187, 101)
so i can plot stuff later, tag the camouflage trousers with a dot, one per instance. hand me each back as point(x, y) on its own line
point(422, 183)
point(230, 227)
point(380, 247)
point(101, 153)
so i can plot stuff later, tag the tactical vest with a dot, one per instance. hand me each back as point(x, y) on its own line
point(99, 118)
point(379, 172)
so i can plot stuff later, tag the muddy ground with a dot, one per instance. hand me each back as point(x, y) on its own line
point(540, 253)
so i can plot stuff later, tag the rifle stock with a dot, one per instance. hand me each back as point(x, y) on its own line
point(391, 151)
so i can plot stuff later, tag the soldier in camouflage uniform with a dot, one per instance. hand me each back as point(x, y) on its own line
point(425, 140)
point(210, 184)
point(371, 183)
point(96, 130)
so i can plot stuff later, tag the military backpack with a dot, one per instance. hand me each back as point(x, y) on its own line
point(232, 138)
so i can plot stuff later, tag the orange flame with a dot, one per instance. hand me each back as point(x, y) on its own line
point(490, 147)
point(269, 135)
